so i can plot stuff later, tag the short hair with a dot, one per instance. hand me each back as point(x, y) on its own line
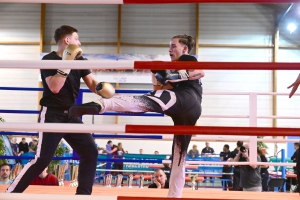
point(186, 40)
point(109, 141)
point(239, 143)
point(5, 164)
point(159, 170)
point(63, 31)
point(296, 144)
point(226, 146)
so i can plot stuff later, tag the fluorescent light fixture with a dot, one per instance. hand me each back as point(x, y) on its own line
point(291, 27)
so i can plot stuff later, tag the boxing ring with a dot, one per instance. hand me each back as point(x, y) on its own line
point(210, 133)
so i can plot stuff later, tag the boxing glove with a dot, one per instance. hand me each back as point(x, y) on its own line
point(176, 75)
point(179, 75)
point(72, 52)
point(105, 90)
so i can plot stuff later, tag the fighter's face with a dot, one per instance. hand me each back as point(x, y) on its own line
point(73, 39)
point(176, 49)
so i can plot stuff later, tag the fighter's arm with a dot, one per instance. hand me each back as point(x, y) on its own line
point(91, 82)
point(195, 74)
point(55, 83)
point(157, 85)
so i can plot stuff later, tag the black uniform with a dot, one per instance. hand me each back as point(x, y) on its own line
point(54, 109)
point(236, 173)
point(226, 169)
point(264, 175)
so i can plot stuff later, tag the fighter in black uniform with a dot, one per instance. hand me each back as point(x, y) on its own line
point(182, 103)
point(61, 88)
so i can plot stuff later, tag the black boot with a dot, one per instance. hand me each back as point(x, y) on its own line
point(90, 108)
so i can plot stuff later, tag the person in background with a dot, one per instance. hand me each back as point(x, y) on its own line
point(237, 168)
point(45, 178)
point(160, 181)
point(224, 156)
point(23, 147)
point(194, 152)
point(207, 151)
point(141, 151)
point(4, 174)
point(119, 155)
point(250, 178)
point(156, 153)
point(264, 170)
point(33, 146)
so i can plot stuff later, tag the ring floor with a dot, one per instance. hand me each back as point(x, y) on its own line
point(102, 193)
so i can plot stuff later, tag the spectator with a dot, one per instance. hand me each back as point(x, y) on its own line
point(156, 153)
point(250, 179)
point(31, 142)
point(194, 152)
point(237, 168)
point(207, 149)
point(14, 146)
point(264, 170)
point(167, 170)
point(160, 181)
point(4, 174)
point(141, 151)
point(110, 149)
point(225, 155)
point(33, 146)
point(23, 147)
point(45, 178)
point(294, 156)
point(119, 155)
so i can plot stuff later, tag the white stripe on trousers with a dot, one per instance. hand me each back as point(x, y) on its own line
point(32, 162)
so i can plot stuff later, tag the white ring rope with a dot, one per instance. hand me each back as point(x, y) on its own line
point(67, 64)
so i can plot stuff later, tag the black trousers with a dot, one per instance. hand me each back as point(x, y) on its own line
point(82, 143)
point(236, 179)
point(226, 184)
point(265, 180)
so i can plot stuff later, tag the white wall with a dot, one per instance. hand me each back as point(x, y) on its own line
point(218, 24)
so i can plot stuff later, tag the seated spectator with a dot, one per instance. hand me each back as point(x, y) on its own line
point(160, 181)
point(31, 142)
point(193, 152)
point(33, 146)
point(45, 178)
point(4, 174)
point(207, 149)
point(14, 146)
point(23, 147)
point(156, 153)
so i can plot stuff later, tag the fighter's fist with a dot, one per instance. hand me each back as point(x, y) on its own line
point(71, 52)
point(105, 90)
